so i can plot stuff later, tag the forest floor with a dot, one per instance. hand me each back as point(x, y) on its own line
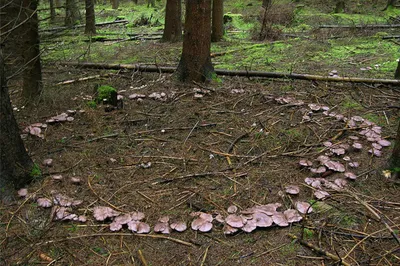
point(234, 141)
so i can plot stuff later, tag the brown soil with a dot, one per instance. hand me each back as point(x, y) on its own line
point(206, 154)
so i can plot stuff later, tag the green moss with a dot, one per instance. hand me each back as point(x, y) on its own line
point(35, 172)
point(105, 92)
point(91, 104)
point(350, 104)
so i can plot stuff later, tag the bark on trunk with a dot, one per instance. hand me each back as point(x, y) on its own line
point(52, 11)
point(340, 5)
point(90, 26)
point(71, 13)
point(195, 63)
point(217, 20)
point(15, 163)
point(32, 75)
point(397, 72)
point(173, 21)
point(115, 4)
point(151, 3)
point(239, 73)
point(390, 3)
point(395, 159)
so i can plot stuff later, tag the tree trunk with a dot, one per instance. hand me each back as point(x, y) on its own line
point(395, 159)
point(151, 3)
point(217, 20)
point(32, 75)
point(173, 21)
point(71, 13)
point(115, 4)
point(390, 3)
point(15, 163)
point(90, 27)
point(52, 11)
point(266, 4)
point(195, 63)
point(397, 72)
point(340, 5)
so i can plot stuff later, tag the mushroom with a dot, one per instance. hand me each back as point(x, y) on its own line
point(250, 226)
point(303, 207)
point(384, 143)
point(262, 220)
point(280, 219)
point(350, 175)
point(232, 209)
point(235, 221)
point(321, 194)
point(179, 226)
point(201, 225)
point(44, 202)
point(354, 164)
point(142, 228)
point(48, 162)
point(22, 192)
point(292, 189)
point(162, 228)
point(56, 177)
point(101, 213)
point(305, 162)
point(229, 230)
point(292, 216)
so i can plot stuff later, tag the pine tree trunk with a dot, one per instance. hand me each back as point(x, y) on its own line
point(115, 4)
point(32, 75)
point(90, 26)
point(397, 72)
point(173, 21)
point(395, 159)
point(71, 13)
point(340, 6)
point(217, 20)
point(52, 11)
point(195, 63)
point(151, 3)
point(15, 163)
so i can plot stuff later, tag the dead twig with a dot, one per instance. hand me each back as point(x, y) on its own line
point(103, 137)
point(141, 257)
point(319, 250)
point(105, 201)
point(113, 234)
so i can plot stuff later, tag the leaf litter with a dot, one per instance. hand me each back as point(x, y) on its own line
point(324, 172)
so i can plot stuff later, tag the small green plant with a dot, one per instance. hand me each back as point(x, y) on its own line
point(73, 228)
point(350, 104)
point(307, 233)
point(290, 249)
point(35, 172)
point(100, 251)
point(105, 92)
point(92, 104)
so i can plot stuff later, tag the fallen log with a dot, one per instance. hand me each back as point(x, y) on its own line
point(371, 26)
point(240, 73)
point(83, 25)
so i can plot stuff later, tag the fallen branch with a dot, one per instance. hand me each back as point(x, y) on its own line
point(83, 25)
point(370, 26)
point(115, 234)
point(391, 37)
point(82, 79)
point(319, 250)
point(240, 73)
